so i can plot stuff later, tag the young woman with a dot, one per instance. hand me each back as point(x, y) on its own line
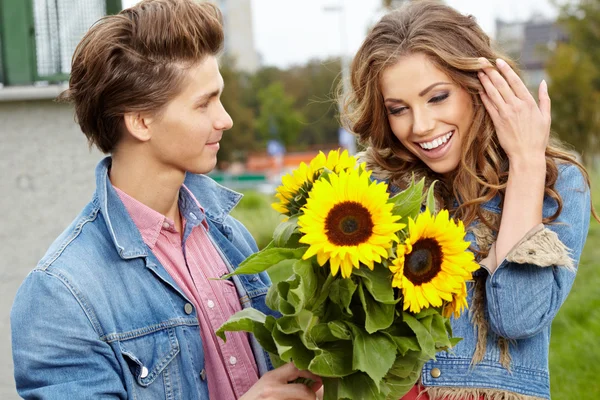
point(431, 98)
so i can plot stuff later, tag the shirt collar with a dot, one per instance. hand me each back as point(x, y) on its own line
point(150, 222)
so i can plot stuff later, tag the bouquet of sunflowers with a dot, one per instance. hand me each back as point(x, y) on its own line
point(365, 283)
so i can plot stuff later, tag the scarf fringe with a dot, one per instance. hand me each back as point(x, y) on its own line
point(450, 393)
point(542, 248)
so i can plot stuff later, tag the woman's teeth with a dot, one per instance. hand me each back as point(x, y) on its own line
point(436, 142)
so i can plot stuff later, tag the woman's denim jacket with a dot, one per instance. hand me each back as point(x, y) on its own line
point(99, 317)
point(521, 300)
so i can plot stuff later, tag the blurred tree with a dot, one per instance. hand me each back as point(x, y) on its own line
point(277, 118)
point(574, 74)
point(240, 139)
point(314, 88)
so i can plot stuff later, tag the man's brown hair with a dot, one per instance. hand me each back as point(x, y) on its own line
point(135, 61)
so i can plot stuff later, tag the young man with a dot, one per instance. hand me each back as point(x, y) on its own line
point(123, 305)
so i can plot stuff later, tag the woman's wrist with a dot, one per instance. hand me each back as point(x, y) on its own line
point(534, 164)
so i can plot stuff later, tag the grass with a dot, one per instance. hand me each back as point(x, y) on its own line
point(574, 349)
point(255, 212)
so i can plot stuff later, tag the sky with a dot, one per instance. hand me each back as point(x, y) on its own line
point(291, 32)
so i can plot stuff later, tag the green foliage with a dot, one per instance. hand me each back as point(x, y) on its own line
point(277, 118)
point(296, 105)
point(574, 350)
point(255, 212)
point(574, 73)
point(352, 331)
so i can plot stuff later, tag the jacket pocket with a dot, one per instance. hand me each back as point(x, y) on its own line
point(152, 360)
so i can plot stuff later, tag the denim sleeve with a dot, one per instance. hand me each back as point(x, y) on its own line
point(57, 352)
point(523, 298)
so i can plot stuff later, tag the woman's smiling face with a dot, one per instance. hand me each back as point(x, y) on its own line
point(428, 113)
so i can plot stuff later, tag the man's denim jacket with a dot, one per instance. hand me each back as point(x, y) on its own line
point(99, 317)
point(521, 301)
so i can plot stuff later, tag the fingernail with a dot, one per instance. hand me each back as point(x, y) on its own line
point(501, 63)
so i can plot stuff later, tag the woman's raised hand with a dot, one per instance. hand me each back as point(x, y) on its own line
point(523, 127)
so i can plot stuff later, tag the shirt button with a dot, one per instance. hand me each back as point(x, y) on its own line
point(193, 216)
point(203, 374)
point(166, 225)
point(232, 360)
point(436, 373)
point(188, 308)
point(210, 304)
point(144, 372)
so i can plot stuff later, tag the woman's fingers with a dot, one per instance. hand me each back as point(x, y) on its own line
point(489, 106)
point(492, 92)
point(515, 82)
point(545, 106)
point(498, 82)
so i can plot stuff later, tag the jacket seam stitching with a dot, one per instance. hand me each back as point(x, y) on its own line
point(78, 228)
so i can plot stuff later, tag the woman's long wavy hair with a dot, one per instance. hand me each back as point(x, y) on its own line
point(453, 42)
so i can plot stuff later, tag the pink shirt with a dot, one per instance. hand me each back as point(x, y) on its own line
point(230, 367)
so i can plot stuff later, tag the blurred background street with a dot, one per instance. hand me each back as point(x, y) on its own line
point(283, 63)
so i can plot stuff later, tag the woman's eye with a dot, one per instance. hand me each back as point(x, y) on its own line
point(439, 98)
point(398, 110)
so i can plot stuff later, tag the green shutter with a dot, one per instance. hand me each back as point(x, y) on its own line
point(18, 46)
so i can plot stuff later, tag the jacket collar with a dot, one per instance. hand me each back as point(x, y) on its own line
point(216, 200)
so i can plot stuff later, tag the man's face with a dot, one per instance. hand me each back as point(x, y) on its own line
point(185, 135)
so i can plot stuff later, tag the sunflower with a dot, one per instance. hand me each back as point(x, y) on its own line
point(457, 305)
point(296, 185)
point(433, 264)
point(348, 220)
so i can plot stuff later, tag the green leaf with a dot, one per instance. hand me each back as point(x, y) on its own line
point(284, 231)
point(307, 287)
point(408, 202)
point(359, 386)
point(406, 343)
point(378, 315)
point(341, 291)
point(378, 282)
point(276, 360)
point(281, 271)
point(288, 325)
point(403, 375)
point(321, 333)
point(431, 198)
point(426, 313)
point(333, 360)
point(285, 307)
point(423, 336)
point(365, 346)
point(264, 259)
point(249, 320)
point(439, 332)
point(272, 299)
point(339, 330)
point(290, 348)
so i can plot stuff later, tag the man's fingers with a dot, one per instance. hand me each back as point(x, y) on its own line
point(308, 375)
point(297, 391)
point(286, 373)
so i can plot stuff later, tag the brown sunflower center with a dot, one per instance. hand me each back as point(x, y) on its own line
point(424, 261)
point(348, 224)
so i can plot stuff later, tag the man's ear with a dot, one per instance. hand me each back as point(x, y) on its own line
point(138, 125)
